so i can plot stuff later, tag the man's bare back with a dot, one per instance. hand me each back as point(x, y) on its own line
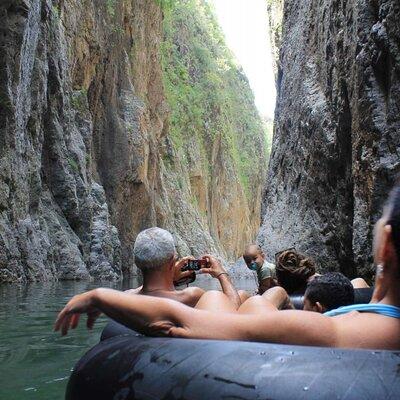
point(188, 296)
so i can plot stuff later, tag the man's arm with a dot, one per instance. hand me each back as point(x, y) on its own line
point(146, 314)
point(229, 289)
point(216, 270)
point(163, 317)
point(134, 291)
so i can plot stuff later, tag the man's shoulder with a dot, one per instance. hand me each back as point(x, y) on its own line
point(193, 291)
point(192, 295)
point(134, 291)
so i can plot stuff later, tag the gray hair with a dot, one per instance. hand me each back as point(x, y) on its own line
point(153, 248)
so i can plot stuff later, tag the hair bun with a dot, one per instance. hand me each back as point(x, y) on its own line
point(307, 267)
point(296, 264)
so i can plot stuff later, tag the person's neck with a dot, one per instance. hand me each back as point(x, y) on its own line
point(387, 288)
point(157, 281)
point(392, 295)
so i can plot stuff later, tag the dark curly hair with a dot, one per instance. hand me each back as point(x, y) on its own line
point(332, 290)
point(293, 269)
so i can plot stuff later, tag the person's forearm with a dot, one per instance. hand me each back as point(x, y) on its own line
point(229, 289)
point(145, 314)
point(162, 317)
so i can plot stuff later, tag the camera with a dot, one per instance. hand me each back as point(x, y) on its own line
point(194, 265)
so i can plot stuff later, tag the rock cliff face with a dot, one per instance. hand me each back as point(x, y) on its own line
point(275, 19)
point(86, 156)
point(215, 133)
point(336, 144)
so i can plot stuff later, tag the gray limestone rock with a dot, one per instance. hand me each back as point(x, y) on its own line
point(84, 137)
point(105, 247)
point(54, 224)
point(336, 144)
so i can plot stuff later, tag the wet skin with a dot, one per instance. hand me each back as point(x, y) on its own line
point(154, 316)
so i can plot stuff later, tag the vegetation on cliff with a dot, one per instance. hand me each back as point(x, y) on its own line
point(208, 93)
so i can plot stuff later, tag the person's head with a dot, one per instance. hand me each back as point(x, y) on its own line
point(387, 234)
point(293, 270)
point(154, 250)
point(253, 256)
point(327, 292)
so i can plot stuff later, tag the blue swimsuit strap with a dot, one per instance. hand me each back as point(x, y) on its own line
point(377, 308)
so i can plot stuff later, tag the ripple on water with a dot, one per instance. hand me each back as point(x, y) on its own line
point(33, 358)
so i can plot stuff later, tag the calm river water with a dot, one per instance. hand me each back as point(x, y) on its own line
point(35, 362)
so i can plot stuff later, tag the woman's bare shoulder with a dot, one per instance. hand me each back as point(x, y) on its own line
point(368, 330)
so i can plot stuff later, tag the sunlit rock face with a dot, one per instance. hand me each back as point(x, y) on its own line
point(275, 17)
point(336, 143)
point(84, 137)
point(216, 166)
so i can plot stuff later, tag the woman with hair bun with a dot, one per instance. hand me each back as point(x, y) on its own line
point(294, 270)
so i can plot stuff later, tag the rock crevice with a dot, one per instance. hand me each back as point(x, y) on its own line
point(335, 150)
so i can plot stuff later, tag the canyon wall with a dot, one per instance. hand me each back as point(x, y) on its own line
point(217, 137)
point(93, 147)
point(275, 20)
point(336, 142)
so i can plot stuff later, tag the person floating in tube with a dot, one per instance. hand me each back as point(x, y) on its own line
point(156, 257)
point(375, 325)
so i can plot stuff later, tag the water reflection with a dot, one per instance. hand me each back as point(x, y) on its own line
point(35, 362)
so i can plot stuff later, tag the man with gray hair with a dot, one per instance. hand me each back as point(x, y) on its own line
point(155, 255)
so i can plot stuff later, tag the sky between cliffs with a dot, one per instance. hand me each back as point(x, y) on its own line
point(245, 25)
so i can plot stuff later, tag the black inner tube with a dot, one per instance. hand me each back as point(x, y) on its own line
point(129, 366)
point(134, 367)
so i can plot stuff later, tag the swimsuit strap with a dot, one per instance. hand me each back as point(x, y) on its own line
point(377, 308)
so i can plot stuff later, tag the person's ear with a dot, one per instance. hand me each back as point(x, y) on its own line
point(319, 307)
point(171, 263)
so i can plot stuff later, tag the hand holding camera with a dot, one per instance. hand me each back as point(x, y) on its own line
point(185, 269)
point(213, 267)
point(195, 265)
point(182, 275)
